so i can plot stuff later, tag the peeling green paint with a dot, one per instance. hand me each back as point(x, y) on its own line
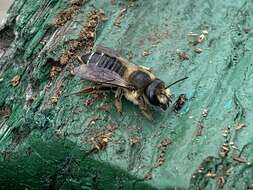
point(49, 146)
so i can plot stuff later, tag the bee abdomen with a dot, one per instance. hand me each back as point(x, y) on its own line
point(104, 61)
point(90, 57)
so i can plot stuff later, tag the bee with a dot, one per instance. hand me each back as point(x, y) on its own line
point(111, 72)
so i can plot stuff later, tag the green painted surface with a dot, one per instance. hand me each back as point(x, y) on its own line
point(49, 146)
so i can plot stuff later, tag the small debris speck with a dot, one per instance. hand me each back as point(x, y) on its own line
point(15, 80)
point(205, 113)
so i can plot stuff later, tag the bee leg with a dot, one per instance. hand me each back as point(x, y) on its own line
point(147, 114)
point(145, 109)
point(93, 89)
point(80, 59)
point(118, 97)
point(86, 90)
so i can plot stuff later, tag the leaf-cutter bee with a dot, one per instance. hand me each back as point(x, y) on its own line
point(109, 71)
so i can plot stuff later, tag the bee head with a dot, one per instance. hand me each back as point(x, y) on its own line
point(157, 94)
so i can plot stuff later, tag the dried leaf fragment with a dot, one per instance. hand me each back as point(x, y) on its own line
point(240, 126)
point(200, 38)
point(146, 53)
point(198, 50)
point(112, 127)
point(54, 99)
point(58, 91)
point(162, 148)
point(5, 112)
point(102, 15)
point(165, 143)
point(195, 39)
point(210, 174)
point(15, 80)
point(93, 99)
point(117, 21)
point(183, 55)
point(205, 113)
point(100, 141)
point(68, 14)
point(221, 182)
point(224, 150)
point(87, 35)
point(105, 107)
point(148, 176)
point(64, 59)
point(160, 161)
point(200, 128)
point(135, 140)
point(55, 71)
point(59, 132)
point(238, 159)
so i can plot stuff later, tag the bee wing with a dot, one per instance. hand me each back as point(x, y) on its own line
point(108, 51)
point(111, 53)
point(94, 73)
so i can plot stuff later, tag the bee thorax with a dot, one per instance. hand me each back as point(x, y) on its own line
point(132, 96)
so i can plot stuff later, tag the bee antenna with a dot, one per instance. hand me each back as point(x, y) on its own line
point(176, 82)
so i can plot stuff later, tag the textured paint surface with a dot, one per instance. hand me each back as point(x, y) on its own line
point(52, 141)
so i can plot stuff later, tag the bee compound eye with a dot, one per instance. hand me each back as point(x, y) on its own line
point(151, 92)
